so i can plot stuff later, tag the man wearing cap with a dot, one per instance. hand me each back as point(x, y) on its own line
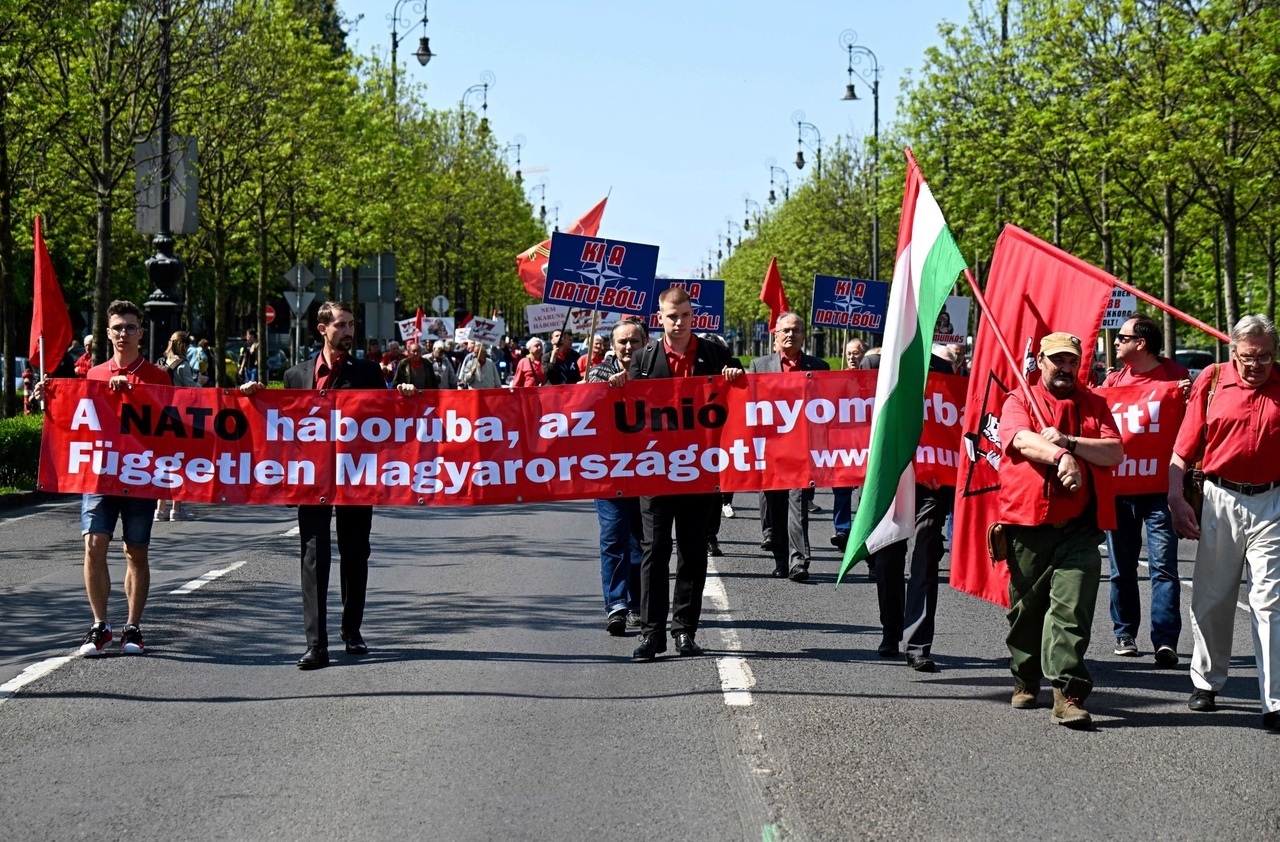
point(1054, 500)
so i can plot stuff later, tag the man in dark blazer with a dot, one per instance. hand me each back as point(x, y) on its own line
point(334, 368)
point(675, 353)
point(784, 515)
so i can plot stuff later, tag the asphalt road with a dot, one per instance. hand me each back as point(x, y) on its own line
point(494, 705)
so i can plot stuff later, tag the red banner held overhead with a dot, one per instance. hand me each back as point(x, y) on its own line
point(480, 447)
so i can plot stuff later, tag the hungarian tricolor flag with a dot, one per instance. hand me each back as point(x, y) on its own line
point(773, 294)
point(531, 264)
point(50, 320)
point(927, 266)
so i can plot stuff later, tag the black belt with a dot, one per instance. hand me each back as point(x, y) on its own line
point(1242, 487)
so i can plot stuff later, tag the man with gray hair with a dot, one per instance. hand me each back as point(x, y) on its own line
point(1232, 423)
point(445, 375)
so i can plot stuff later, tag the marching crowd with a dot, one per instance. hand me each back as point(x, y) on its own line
point(1057, 440)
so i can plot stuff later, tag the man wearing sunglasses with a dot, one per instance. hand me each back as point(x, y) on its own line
point(1137, 350)
point(99, 512)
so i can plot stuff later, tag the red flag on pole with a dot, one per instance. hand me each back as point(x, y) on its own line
point(773, 294)
point(531, 264)
point(50, 319)
point(417, 321)
point(1033, 289)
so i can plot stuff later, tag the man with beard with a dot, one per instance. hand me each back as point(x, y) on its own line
point(1053, 495)
point(335, 367)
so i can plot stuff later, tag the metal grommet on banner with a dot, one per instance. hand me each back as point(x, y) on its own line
point(519, 498)
point(322, 391)
point(323, 501)
point(223, 499)
point(808, 375)
point(421, 501)
point(812, 484)
point(617, 493)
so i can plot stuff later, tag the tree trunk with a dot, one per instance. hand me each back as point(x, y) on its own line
point(102, 262)
point(220, 281)
point(261, 320)
point(8, 318)
point(1170, 231)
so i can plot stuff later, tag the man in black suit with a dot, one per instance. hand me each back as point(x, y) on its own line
point(334, 368)
point(784, 515)
point(676, 353)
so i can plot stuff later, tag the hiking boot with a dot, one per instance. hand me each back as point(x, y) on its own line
point(131, 641)
point(1069, 712)
point(1024, 698)
point(617, 623)
point(1126, 647)
point(95, 642)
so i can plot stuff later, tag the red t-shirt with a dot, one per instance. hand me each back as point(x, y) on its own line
point(1167, 371)
point(1240, 434)
point(1031, 493)
point(139, 372)
point(681, 365)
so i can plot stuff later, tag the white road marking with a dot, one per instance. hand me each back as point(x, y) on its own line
point(1187, 582)
point(196, 584)
point(736, 679)
point(291, 533)
point(30, 674)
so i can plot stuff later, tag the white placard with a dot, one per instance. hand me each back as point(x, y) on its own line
point(953, 321)
point(1122, 307)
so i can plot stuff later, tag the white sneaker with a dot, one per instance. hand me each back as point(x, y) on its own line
point(95, 642)
point(726, 510)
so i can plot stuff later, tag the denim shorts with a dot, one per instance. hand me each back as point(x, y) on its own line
point(99, 512)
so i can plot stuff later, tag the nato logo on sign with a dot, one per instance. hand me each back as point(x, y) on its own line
point(706, 298)
point(599, 274)
point(849, 303)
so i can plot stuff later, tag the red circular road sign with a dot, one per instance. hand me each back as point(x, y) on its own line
point(271, 314)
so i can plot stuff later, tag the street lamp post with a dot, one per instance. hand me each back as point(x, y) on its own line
point(871, 76)
point(517, 143)
point(541, 189)
point(747, 202)
point(487, 79)
point(423, 53)
point(786, 184)
point(732, 224)
point(165, 270)
point(806, 129)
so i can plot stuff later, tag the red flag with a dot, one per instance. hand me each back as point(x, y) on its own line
point(417, 321)
point(49, 316)
point(773, 294)
point(531, 264)
point(1033, 289)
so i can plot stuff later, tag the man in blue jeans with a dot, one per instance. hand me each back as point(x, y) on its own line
point(1136, 346)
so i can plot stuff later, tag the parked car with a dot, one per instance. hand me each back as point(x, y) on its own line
point(1194, 359)
point(19, 365)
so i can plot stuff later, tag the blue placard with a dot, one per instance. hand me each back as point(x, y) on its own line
point(707, 298)
point(849, 303)
point(601, 274)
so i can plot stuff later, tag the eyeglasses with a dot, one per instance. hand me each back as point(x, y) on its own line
point(127, 330)
point(1124, 337)
point(628, 342)
point(1261, 359)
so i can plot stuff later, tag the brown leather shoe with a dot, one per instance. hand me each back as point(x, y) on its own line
point(1069, 712)
point(1024, 698)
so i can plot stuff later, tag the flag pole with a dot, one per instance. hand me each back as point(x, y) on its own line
point(1171, 310)
point(1004, 346)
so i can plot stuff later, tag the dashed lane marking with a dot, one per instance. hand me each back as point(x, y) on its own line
point(212, 575)
point(30, 674)
point(736, 679)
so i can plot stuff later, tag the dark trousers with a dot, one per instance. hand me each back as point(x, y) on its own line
point(353, 525)
point(907, 609)
point(688, 512)
point(785, 516)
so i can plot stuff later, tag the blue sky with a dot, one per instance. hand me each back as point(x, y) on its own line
point(674, 106)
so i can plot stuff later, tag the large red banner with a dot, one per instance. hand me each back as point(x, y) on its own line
point(480, 447)
point(1148, 418)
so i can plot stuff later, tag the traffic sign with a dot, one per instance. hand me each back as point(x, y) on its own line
point(299, 276)
point(297, 305)
point(271, 314)
point(440, 305)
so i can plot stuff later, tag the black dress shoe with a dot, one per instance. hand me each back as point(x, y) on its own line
point(355, 643)
point(316, 657)
point(686, 645)
point(1271, 720)
point(1203, 701)
point(713, 549)
point(887, 650)
point(840, 540)
point(921, 663)
point(651, 646)
point(766, 545)
point(798, 573)
point(779, 573)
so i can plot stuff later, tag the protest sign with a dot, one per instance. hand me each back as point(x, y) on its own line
point(706, 297)
point(595, 273)
point(953, 321)
point(849, 303)
point(1121, 307)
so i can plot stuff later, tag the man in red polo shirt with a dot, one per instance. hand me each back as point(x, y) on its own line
point(676, 353)
point(125, 369)
point(1235, 430)
point(1052, 504)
